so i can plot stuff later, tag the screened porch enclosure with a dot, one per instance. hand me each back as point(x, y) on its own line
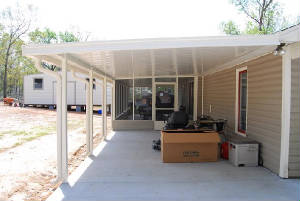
point(154, 99)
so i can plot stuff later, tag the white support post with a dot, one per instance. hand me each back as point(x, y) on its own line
point(58, 114)
point(202, 95)
point(153, 63)
point(153, 99)
point(176, 106)
point(58, 130)
point(89, 114)
point(195, 113)
point(133, 99)
point(87, 117)
point(285, 113)
point(113, 107)
point(104, 120)
point(64, 136)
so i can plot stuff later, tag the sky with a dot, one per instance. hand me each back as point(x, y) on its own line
point(128, 19)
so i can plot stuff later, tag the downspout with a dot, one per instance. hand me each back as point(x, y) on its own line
point(58, 112)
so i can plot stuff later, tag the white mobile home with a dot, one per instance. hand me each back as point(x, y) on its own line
point(40, 89)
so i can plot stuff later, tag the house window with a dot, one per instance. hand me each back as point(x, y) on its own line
point(38, 83)
point(241, 100)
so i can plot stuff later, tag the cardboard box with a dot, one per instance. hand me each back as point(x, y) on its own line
point(189, 146)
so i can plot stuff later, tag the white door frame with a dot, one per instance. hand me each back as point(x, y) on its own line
point(158, 125)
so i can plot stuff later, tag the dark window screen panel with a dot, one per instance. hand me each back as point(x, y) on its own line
point(38, 83)
point(242, 120)
point(143, 99)
point(124, 99)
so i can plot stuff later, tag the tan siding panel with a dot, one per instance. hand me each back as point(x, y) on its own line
point(264, 103)
point(294, 149)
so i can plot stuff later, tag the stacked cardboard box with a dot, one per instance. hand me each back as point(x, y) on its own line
point(189, 146)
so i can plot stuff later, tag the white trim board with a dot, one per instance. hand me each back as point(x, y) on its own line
point(237, 100)
point(285, 114)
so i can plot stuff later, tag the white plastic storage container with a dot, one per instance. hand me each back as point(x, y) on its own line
point(243, 152)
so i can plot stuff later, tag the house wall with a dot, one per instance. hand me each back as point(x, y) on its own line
point(294, 149)
point(264, 103)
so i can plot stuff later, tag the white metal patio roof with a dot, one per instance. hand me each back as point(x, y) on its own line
point(162, 56)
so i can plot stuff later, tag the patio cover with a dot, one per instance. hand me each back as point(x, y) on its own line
point(161, 56)
point(141, 58)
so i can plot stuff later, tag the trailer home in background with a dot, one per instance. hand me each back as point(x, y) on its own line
point(40, 89)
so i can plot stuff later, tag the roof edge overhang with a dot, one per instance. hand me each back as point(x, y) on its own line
point(156, 43)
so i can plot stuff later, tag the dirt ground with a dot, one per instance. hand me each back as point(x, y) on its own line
point(28, 150)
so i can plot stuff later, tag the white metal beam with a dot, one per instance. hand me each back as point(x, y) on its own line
point(176, 106)
point(202, 95)
point(104, 120)
point(285, 114)
point(89, 114)
point(195, 108)
point(113, 106)
point(64, 136)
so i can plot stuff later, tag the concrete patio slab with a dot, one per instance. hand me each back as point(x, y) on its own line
point(126, 168)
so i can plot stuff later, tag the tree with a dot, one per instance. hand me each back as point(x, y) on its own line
point(43, 37)
point(16, 24)
point(230, 28)
point(48, 36)
point(265, 17)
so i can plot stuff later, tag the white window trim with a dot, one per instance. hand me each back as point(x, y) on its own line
point(238, 70)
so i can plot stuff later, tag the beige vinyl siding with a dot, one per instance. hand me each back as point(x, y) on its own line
point(219, 94)
point(264, 107)
point(264, 103)
point(294, 149)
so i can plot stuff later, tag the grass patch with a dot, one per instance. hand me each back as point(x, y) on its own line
point(20, 133)
point(8, 132)
point(30, 134)
point(73, 125)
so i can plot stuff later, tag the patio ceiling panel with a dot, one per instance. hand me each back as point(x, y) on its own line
point(141, 62)
point(163, 63)
point(185, 61)
point(167, 62)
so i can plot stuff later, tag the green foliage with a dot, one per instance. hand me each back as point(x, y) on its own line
point(43, 37)
point(67, 37)
point(48, 36)
point(265, 17)
point(230, 28)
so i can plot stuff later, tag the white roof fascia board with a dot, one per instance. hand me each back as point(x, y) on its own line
point(290, 35)
point(143, 44)
point(245, 58)
point(295, 50)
